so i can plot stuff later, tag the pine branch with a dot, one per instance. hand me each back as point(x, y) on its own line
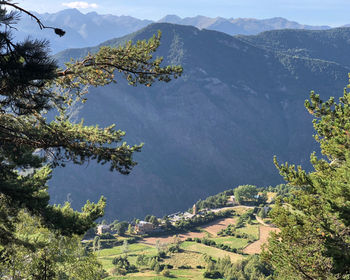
point(58, 31)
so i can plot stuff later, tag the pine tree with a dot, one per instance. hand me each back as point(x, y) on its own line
point(125, 247)
point(314, 242)
point(54, 257)
point(30, 145)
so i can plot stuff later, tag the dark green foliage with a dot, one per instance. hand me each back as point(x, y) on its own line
point(121, 261)
point(240, 223)
point(169, 266)
point(162, 254)
point(208, 242)
point(216, 201)
point(246, 194)
point(153, 262)
point(153, 220)
point(51, 257)
point(262, 198)
point(107, 236)
point(30, 145)
point(121, 228)
point(262, 213)
point(251, 268)
point(327, 45)
point(123, 265)
point(283, 190)
point(148, 217)
point(212, 274)
point(230, 230)
point(314, 239)
point(244, 218)
point(185, 267)
point(174, 248)
point(157, 268)
point(141, 260)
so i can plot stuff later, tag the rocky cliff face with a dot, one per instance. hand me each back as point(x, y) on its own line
point(237, 104)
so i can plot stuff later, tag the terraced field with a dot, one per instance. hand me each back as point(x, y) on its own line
point(255, 247)
point(189, 262)
point(211, 251)
point(211, 228)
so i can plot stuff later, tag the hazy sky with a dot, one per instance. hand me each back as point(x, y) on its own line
point(317, 12)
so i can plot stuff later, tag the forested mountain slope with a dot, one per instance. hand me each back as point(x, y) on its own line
point(330, 45)
point(238, 103)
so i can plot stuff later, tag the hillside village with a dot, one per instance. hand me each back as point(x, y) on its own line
point(236, 229)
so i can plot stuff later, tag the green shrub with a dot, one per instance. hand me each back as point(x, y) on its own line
point(166, 273)
point(212, 274)
point(118, 271)
point(107, 236)
point(184, 267)
point(168, 266)
point(162, 254)
point(175, 248)
point(153, 262)
point(142, 260)
point(157, 268)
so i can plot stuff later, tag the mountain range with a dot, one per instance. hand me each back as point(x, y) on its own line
point(238, 103)
point(90, 29)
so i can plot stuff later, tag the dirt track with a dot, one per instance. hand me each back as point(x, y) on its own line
point(255, 247)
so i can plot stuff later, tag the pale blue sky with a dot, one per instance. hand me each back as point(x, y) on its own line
point(316, 12)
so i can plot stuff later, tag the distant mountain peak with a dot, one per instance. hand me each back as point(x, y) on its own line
point(70, 11)
point(90, 29)
point(170, 19)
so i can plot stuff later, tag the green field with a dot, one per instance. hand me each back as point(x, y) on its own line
point(252, 230)
point(192, 254)
point(211, 251)
point(231, 241)
point(106, 256)
point(180, 274)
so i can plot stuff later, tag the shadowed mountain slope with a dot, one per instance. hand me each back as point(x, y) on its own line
point(237, 104)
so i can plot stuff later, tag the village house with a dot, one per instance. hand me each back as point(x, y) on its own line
point(144, 227)
point(231, 200)
point(101, 229)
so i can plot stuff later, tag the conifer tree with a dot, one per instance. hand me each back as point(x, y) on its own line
point(30, 145)
point(314, 242)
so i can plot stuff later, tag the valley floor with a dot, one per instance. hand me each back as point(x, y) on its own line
point(189, 262)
